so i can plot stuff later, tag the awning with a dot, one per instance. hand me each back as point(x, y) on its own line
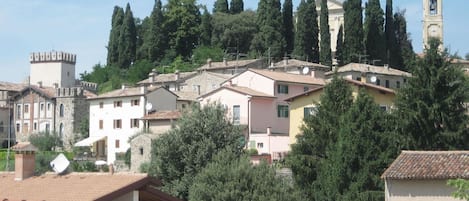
point(89, 141)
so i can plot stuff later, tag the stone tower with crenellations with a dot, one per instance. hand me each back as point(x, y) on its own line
point(432, 21)
point(52, 69)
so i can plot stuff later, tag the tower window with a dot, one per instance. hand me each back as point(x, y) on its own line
point(433, 7)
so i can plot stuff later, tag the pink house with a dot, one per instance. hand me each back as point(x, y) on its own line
point(255, 98)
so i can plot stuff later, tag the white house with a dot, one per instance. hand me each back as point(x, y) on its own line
point(117, 115)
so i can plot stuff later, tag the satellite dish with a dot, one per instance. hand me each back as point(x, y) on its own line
point(148, 106)
point(59, 164)
point(305, 70)
point(373, 79)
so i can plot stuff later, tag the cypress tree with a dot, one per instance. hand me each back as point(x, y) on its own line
point(353, 31)
point(220, 6)
point(405, 56)
point(306, 37)
point(288, 25)
point(127, 40)
point(113, 44)
point(325, 54)
point(206, 28)
point(156, 37)
point(269, 40)
point(339, 53)
point(374, 35)
point(392, 56)
point(236, 6)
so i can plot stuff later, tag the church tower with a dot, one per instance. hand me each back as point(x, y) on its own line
point(432, 21)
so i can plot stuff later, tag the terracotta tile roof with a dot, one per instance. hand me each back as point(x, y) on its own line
point(429, 165)
point(230, 64)
point(248, 91)
point(126, 92)
point(8, 86)
point(162, 115)
point(366, 68)
point(169, 77)
point(288, 77)
point(187, 95)
point(290, 63)
point(71, 187)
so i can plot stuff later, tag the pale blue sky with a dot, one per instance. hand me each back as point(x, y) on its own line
point(82, 27)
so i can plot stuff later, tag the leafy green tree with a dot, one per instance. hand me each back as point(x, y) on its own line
point(233, 177)
point(375, 43)
point(462, 188)
point(181, 153)
point(156, 38)
point(431, 106)
point(405, 53)
point(269, 40)
point(45, 141)
point(325, 53)
point(339, 53)
point(182, 20)
point(139, 71)
point(220, 6)
point(307, 32)
point(236, 6)
point(353, 31)
point(113, 44)
point(206, 28)
point(202, 53)
point(127, 40)
point(142, 27)
point(319, 132)
point(288, 26)
point(392, 52)
point(234, 33)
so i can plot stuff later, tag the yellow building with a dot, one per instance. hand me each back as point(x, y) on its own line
point(304, 103)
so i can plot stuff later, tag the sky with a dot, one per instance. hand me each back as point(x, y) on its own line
point(82, 28)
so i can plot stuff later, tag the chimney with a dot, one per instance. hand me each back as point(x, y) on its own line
point(111, 169)
point(39, 84)
point(285, 61)
point(123, 86)
point(209, 62)
point(151, 77)
point(25, 156)
point(318, 74)
point(386, 66)
point(225, 62)
point(56, 85)
point(143, 89)
point(176, 75)
point(269, 132)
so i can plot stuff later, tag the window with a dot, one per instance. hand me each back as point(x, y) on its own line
point(260, 145)
point(141, 150)
point(378, 82)
point(117, 143)
point(25, 127)
point(101, 104)
point(1, 127)
point(134, 123)
point(433, 7)
point(305, 88)
point(17, 127)
point(398, 84)
point(405, 80)
point(47, 128)
point(282, 111)
point(383, 107)
point(61, 110)
point(26, 108)
point(236, 115)
point(101, 124)
point(135, 102)
point(18, 111)
point(309, 111)
point(183, 106)
point(48, 106)
point(387, 84)
point(282, 89)
point(42, 107)
point(358, 79)
point(117, 103)
point(117, 123)
point(35, 126)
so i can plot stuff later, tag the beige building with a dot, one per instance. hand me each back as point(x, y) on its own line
point(295, 66)
point(336, 19)
point(53, 69)
point(422, 175)
point(432, 21)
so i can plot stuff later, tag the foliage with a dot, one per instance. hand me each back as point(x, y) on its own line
point(405, 53)
point(325, 51)
point(252, 152)
point(288, 27)
point(353, 31)
point(127, 157)
point(45, 141)
point(339, 53)
point(392, 51)
point(83, 166)
point(203, 53)
point(127, 40)
point(234, 33)
point(375, 44)
point(431, 106)
point(462, 188)
point(236, 6)
point(220, 6)
point(155, 38)
point(181, 153)
point(113, 44)
point(144, 167)
point(206, 29)
point(269, 40)
point(231, 177)
point(139, 71)
point(307, 32)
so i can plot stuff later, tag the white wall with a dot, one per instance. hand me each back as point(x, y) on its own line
point(418, 190)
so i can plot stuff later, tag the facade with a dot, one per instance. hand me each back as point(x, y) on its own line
point(7, 92)
point(232, 67)
point(432, 21)
point(117, 115)
point(53, 69)
point(255, 98)
point(422, 175)
point(378, 75)
point(299, 67)
point(304, 104)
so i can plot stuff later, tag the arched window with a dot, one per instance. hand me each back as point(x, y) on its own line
point(61, 110)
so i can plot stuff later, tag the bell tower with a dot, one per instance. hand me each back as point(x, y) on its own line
point(432, 21)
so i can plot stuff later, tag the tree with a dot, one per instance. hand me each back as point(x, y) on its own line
point(431, 106)
point(374, 34)
point(232, 177)
point(182, 20)
point(353, 31)
point(113, 44)
point(156, 37)
point(307, 33)
point(288, 26)
point(405, 53)
point(466, 56)
point(181, 153)
point(220, 6)
point(206, 29)
point(392, 51)
point(325, 53)
point(234, 33)
point(269, 39)
point(236, 6)
point(318, 133)
point(127, 40)
point(339, 53)
point(46, 141)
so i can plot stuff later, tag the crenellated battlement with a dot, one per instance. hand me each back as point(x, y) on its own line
point(53, 56)
point(89, 85)
point(69, 92)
